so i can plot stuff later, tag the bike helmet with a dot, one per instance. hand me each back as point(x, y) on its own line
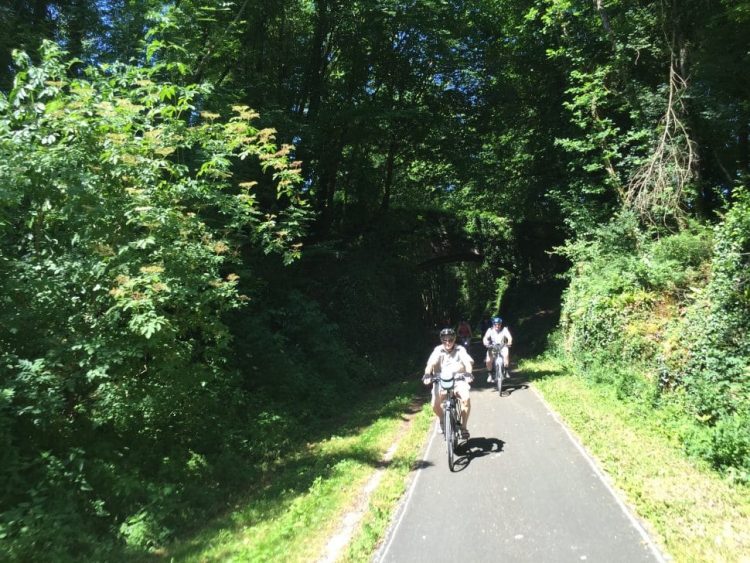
point(497, 320)
point(447, 334)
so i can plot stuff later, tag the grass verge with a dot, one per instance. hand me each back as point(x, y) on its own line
point(383, 501)
point(693, 513)
point(292, 512)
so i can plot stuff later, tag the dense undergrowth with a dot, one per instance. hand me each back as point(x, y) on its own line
point(665, 320)
point(158, 352)
point(287, 372)
point(174, 317)
point(286, 376)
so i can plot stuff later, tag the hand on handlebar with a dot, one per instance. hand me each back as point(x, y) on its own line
point(427, 378)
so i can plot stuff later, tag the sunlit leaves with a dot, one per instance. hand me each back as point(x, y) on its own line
point(122, 212)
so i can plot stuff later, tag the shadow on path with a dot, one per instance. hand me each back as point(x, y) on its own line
point(514, 383)
point(474, 448)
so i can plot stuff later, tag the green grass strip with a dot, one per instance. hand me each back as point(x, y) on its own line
point(384, 500)
point(693, 513)
point(299, 505)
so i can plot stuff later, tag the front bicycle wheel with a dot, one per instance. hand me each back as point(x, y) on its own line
point(456, 417)
point(449, 431)
point(499, 375)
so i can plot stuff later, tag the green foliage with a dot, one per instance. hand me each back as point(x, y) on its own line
point(649, 316)
point(726, 445)
point(369, 291)
point(145, 315)
point(639, 448)
point(716, 372)
point(121, 215)
point(484, 286)
point(291, 354)
point(143, 530)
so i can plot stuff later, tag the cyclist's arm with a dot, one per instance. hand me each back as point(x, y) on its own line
point(467, 363)
point(432, 362)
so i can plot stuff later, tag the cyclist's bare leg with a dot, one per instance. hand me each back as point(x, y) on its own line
point(465, 402)
point(465, 411)
point(437, 407)
point(437, 399)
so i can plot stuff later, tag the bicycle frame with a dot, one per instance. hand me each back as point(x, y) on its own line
point(451, 415)
point(498, 369)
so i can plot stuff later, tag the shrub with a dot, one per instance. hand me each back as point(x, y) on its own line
point(645, 313)
point(121, 217)
point(717, 335)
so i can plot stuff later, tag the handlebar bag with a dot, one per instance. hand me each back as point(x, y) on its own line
point(447, 380)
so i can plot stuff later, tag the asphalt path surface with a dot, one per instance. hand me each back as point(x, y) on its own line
point(523, 490)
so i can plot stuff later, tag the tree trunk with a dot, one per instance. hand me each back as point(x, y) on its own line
point(330, 160)
point(605, 20)
point(312, 88)
point(743, 145)
point(386, 201)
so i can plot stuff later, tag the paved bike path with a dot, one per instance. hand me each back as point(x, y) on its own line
point(523, 491)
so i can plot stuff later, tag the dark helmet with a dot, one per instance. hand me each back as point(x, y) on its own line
point(497, 320)
point(447, 334)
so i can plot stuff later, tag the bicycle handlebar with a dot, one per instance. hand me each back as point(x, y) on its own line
point(459, 376)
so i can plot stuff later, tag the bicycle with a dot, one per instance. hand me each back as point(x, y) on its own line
point(451, 412)
point(498, 368)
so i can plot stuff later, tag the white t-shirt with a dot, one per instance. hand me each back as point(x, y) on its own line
point(457, 360)
point(501, 337)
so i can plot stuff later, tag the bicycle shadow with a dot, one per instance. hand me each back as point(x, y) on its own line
point(514, 383)
point(475, 448)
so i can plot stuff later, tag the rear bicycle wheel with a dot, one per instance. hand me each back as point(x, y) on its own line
point(449, 432)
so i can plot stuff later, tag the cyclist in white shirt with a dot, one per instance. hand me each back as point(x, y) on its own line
point(497, 334)
point(453, 357)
